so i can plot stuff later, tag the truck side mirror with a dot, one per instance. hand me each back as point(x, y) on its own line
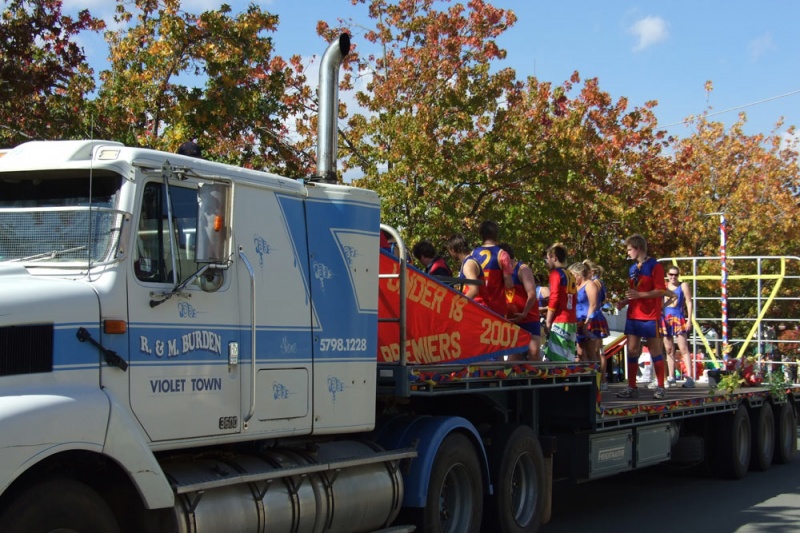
point(213, 227)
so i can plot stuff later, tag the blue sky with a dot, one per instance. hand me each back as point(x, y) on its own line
point(662, 51)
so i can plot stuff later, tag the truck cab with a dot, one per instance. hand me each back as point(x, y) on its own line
point(185, 268)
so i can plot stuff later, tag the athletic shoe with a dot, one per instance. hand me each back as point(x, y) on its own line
point(660, 394)
point(604, 386)
point(689, 383)
point(653, 384)
point(628, 392)
point(671, 382)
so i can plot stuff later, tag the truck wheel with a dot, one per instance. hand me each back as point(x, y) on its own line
point(455, 495)
point(763, 439)
point(58, 506)
point(516, 465)
point(785, 433)
point(730, 457)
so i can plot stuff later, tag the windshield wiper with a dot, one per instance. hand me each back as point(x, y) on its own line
point(46, 255)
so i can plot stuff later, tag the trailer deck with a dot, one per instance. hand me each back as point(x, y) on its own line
point(611, 412)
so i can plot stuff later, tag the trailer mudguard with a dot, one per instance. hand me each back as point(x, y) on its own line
point(425, 434)
point(126, 444)
point(78, 414)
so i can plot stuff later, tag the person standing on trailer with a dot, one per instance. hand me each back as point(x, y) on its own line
point(598, 324)
point(584, 309)
point(434, 264)
point(523, 306)
point(646, 290)
point(678, 325)
point(561, 319)
point(496, 266)
point(470, 269)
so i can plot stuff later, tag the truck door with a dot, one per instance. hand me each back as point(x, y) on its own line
point(184, 380)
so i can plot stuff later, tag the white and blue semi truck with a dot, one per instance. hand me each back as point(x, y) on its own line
point(188, 346)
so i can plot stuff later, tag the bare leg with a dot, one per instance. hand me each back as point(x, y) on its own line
point(669, 346)
point(634, 351)
point(598, 344)
point(587, 350)
point(533, 348)
point(683, 344)
point(656, 348)
point(595, 352)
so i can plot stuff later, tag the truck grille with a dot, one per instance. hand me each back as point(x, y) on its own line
point(26, 349)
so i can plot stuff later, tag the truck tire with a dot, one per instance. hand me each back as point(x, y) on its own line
point(763, 438)
point(730, 456)
point(516, 465)
point(58, 505)
point(785, 433)
point(455, 493)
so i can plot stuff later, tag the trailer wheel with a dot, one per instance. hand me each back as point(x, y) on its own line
point(786, 433)
point(516, 464)
point(763, 438)
point(455, 494)
point(730, 457)
point(58, 506)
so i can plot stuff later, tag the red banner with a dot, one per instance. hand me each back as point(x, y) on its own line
point(442, 325)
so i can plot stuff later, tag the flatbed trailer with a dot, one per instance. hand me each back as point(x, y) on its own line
point(587, 434)
point(570, 429)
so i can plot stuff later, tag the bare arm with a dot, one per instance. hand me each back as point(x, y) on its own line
point(633, 294)
point(687, 292)
point(544, 292)
point(591, 294)
point(504, 260)
point(597, 283)
point(471, 271)
point(526, 277)
point(551, 315)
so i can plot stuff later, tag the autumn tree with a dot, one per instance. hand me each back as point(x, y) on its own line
point(750, 178)
point(753, 180)
point(214, 77)
point(449, 138)
point(428, 136)
point(593, 167)
point(44, 77)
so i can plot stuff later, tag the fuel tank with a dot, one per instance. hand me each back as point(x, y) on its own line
point(334, 487)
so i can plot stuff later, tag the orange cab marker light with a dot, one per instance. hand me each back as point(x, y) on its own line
point(217, 223)
point(115, 327)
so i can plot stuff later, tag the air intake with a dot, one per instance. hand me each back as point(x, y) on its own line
point(26, 349)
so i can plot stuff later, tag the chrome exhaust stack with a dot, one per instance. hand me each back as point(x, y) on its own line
point(327, 129)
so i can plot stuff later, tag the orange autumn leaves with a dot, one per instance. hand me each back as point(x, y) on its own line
point(444, 131)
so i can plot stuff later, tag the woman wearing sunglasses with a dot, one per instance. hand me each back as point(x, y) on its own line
point(678, 323)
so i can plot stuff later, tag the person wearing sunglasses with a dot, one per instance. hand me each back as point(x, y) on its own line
point(677, 324)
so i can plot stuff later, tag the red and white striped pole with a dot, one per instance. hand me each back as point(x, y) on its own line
point(723, 242)
point(723, 283)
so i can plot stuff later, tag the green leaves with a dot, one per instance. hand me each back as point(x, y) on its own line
point(445, 132)
point(44, 77)
point(453, 138)
point(212, 77)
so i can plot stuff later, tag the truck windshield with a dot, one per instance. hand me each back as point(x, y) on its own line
point(62, 217)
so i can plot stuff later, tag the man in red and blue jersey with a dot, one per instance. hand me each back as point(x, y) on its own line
point(497, 268)
point(522, 305)
point(561, 320)
point(646, 290)
point(434, 264)
point(459, 250)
